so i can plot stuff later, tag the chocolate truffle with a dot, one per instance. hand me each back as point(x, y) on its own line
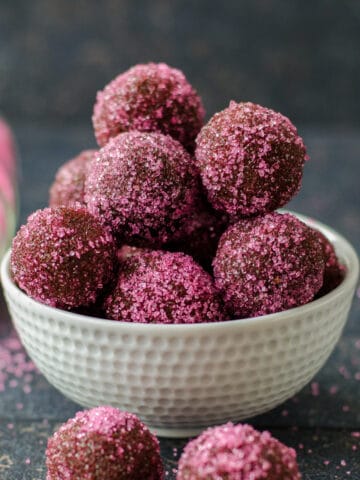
point(142, 185)
point(268, 264)
point(250, 159)
point(200, 234)
point(237, 452)
point(128, 251)
point(149, 98)
point(163, 287)
point(334, 272)
point(62, 257)
point(68, 187)
point(103, 444)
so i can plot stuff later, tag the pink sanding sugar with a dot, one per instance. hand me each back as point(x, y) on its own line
point(14, 364)
point(237, 452)
point(149, 98)
point(104, 443)
point(62, 257)
point(315, 389)
point(163, 287)
point(334, 271)
point(143, 185)
point(250, 159)
point(69, 184)
point(200, 234)
point(268, 264)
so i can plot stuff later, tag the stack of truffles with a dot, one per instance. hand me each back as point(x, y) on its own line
point(171, 221)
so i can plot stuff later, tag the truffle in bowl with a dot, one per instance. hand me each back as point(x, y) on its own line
point(182, 378)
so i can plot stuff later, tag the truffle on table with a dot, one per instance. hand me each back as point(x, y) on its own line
point(103, 443)
point(63, 257)
point(68, 186)
point(143, 185)
point(163, 287)
point(237, 452)
point(250, 159)
point(268, 264)
point(149, 97)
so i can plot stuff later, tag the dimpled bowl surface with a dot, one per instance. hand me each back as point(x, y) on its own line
point(180, 379)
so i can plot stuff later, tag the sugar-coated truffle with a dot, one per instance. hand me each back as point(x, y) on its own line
point(128, 251)
point(68, 186)
point(163, 287)
point(103, 443)
point(268, 264)
point(149, 98)
point(250, 159)
point(334, 271)
point(200, 234)
point(62, 257)
point(142, 185)
point(237, 452)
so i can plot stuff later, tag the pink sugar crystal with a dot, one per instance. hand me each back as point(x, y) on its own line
point(68, 186)
point(200, 234)
point(62, 257)
point(143, 185)
point(104, 443)
point(334, 271)
point(315, 389)
point(14, 363)
point(237, 452)
point(268, 264)
point(149, 98)
point(163, 287)
point(250, 159)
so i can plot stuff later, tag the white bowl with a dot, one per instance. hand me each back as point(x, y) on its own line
point(180, 379)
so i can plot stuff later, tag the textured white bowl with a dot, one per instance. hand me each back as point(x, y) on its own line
point(180, 379)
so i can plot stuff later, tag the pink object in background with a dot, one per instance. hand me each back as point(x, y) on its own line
point(7, 184)
point(7, 147)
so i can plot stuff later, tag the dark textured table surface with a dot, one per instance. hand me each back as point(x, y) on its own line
point(322, 422)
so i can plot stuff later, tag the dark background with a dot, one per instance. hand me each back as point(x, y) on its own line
point(299, 57)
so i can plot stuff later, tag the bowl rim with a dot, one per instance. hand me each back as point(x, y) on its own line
point(342, 246)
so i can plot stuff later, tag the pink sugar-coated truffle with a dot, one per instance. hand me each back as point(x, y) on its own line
point(237, 452)
point(334, 271)
point(149, 98)
point(128, 251)
point(103, 443)
point(163, 287)
point(250, 159)
point(268, 264)
point(63, 257)
point(142, 185)
point(200, 234)
point(68, 186)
